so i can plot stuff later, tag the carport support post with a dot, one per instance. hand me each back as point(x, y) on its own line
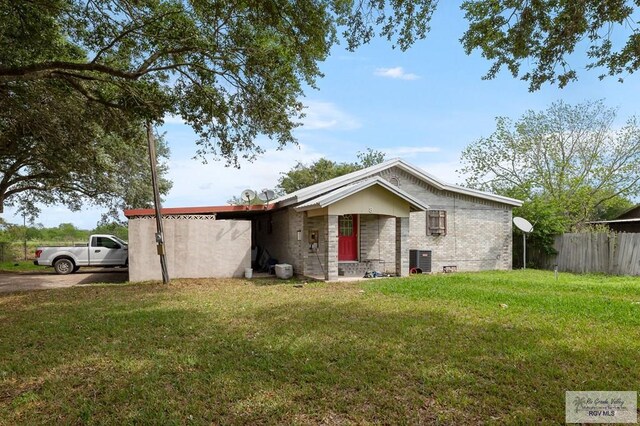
point(156, 202)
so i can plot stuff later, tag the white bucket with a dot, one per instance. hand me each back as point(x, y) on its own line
point(248, 273)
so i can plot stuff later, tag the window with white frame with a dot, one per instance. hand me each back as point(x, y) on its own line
point(436, 222)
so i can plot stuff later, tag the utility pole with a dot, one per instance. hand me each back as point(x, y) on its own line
point(24, 226)
point(157, 205)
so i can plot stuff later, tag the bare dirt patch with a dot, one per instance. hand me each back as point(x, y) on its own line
point(46, 279)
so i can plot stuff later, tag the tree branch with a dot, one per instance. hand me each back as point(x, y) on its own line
point(26, 72)
point(80, 88)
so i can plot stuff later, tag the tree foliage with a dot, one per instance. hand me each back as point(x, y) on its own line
point(546, 33)
point(236, 69)
point(568, 163)
point(55, 147)
point(230, 69)
point(303, 175)
point(62, 232)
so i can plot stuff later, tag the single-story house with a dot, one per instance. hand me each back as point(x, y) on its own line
point(627, 221)
point(392, 218)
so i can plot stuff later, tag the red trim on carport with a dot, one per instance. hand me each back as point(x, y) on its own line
point(197, 210)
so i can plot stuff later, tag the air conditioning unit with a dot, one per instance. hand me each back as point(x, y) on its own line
point(419, 261)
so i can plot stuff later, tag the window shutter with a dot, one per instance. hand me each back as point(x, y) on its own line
point(437, 222)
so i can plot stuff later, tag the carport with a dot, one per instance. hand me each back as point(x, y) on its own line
point(201, 242)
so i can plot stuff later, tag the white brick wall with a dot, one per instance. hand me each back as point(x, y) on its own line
point(314, 260)
point(280, 237)
point(478, 231)
point(378, 240)
point(478, 234)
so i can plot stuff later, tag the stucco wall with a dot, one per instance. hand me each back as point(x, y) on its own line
point(478, 231)
point(196, 246)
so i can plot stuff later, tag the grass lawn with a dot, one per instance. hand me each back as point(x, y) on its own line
point(499, 347)
point(20, 266)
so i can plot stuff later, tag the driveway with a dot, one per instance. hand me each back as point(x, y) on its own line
point(10, 281)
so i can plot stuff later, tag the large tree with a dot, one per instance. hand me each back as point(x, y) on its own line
point(55, 147)
point(568, 163)
point(233, 69)
point(542, 36)
point(230, 69)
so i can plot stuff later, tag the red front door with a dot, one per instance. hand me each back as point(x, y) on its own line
point(348, 237)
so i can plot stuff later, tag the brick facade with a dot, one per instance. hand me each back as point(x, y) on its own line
point(278, 233)
point(331, 237)
point(478, 231)
point(315, 262)
point(377, 242)
point(402, 246)
point(478, 235)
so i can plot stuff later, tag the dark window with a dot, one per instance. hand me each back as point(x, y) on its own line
point(437, 222)
point(104, 242)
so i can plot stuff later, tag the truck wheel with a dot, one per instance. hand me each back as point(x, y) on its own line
point(63, 266)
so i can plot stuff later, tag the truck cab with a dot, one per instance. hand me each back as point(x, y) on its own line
point(101, 250)
point(107, 250)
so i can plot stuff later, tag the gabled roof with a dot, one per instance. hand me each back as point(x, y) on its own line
point(322, 188)
point(350, 189)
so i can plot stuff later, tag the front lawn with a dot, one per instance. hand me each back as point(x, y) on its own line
point(19, 266)
point(500, 347)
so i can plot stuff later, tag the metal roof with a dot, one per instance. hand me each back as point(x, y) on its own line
point(322, 188)
point(345, 191)
point(635, 219)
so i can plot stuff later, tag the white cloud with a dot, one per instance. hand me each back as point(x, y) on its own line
point(173, 119)
point(327, 116)
point(397, 73)
point(399, 151)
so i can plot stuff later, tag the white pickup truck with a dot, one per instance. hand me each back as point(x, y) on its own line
point(102, 250)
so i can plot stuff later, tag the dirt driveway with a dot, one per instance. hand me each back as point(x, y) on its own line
point(39, 280)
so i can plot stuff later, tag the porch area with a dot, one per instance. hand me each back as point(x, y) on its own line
point(351, 245)
point(343, 233)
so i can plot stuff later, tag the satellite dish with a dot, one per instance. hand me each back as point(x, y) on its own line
point(525, 226)
point(522, 224)
point(266, 195)
point(248, 195)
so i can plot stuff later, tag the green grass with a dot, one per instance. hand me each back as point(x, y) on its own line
point(19, 266)
point(490, 348)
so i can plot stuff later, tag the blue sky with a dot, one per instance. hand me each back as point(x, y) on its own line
point(424, 105)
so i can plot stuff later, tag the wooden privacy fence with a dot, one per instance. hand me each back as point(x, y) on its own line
point(617, 254)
